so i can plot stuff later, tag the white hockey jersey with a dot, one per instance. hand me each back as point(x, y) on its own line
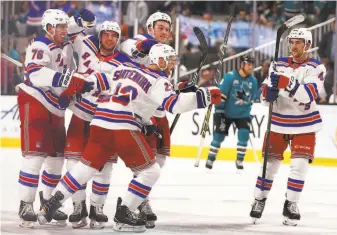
point(91, 61)
point(44, 65)
point(298, 113)
point(129, 48)
point(136, 94)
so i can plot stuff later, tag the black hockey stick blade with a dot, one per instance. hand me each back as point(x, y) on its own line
point(202, 40)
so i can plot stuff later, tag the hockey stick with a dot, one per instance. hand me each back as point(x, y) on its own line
point(217, 77)
point(204, 51)
point(17, 63)
point(286, 25)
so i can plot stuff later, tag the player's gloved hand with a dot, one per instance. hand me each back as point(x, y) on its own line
point(144, 46)
point(77, 84)
point(86, 19)
point(280, 80)
point(207, 96)
point(185, 87)
point(149, 129)
point(270, 94)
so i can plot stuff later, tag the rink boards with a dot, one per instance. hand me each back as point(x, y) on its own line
point(186, 136)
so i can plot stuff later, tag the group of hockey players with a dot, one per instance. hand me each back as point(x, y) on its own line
point(119, 101)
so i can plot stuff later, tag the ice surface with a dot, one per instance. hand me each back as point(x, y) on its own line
point(191, 200)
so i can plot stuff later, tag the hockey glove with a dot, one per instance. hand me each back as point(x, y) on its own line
point(86, 19)
point(207, 96)
point(76, 85)
point(279, 80)
point(185, 87)
point(270, 94)
point(144, 46)
point(149, 130)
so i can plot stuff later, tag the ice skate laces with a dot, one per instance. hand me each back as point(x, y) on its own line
point(146, 207)
point(99, 209)
point(131, 214)
point(292, 207)
point(78, 208)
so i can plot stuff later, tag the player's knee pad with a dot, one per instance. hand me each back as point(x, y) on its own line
point(104, 175)
point(71, 163)
point(54, 165)
point(273, 165)
point(218, 138)
point(299, 168)
point(243, 135)
point(32, 164)
point(150, 175)
point(161, 159)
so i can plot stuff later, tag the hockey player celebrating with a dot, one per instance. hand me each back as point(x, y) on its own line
point(137, 92)
point(239, 89)
point(48, 74)
point(295, 120)
point(158, 28)
point(96, 54)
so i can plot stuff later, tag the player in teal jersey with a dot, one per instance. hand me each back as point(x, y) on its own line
point(239, 88)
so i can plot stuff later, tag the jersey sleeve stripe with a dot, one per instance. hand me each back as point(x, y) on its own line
point(311, 89)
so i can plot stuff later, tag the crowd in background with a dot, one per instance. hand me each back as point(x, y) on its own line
point(25, 23)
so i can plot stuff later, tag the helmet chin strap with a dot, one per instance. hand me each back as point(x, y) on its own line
point(52, 35)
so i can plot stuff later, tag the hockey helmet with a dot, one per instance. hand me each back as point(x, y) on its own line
point(54, 17)
point(247, 59)
point(161, 51)
point(157, 16)
point(302, 33)
point(110, 26)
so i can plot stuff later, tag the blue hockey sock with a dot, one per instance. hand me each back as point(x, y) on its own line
point(215, 145)
point(243, 137)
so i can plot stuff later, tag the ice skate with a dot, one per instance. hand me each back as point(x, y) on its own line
point(49, 211)
point(209, 164)
point(79, 217)
point(97, 218)
point(27, 215)
point(146, 212)
point(291, 213)
point(257, 209)
point(128, 221)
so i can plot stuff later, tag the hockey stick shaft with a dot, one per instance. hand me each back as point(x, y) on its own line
point(17, 63)
point(204, 49)
point(288, 24)
point(217, 78)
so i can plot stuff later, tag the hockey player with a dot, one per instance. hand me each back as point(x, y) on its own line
point(48, 74)
point(295, 120)
point(158, 27)
point(96, 54)
point(239, 88)
point(137, 92)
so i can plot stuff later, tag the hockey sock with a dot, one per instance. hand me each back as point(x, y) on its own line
point(73, 179)
point(140, 187)
point(262, 187)
point(100, 185)
point(80, 194)
point(29, 177)
point(298, 172)
point(51, 175)
point(161, 159)
point(243, 136)
point(215, 145)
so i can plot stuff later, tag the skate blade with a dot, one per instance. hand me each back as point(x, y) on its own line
point(42, 220)
point(96, 225)
point(57, 223)
point(254, 220)
point(289, 222)
point(120, 227)
point(150, 224)
point(26, 224)
point(80, 224)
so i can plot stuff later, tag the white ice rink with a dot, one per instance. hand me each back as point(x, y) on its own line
point(191, 200)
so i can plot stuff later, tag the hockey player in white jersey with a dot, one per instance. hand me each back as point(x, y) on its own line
point(48, 74)
point(158, 27)
point(96, 54)
point(137, 92)
point(295, 120)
